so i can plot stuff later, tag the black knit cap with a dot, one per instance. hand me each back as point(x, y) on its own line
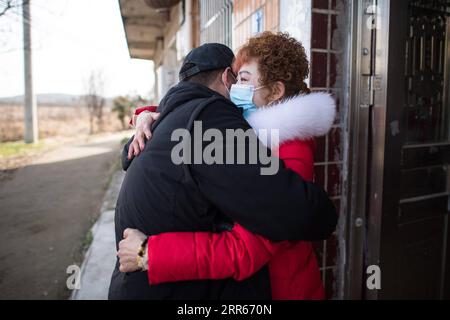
point(209, 56)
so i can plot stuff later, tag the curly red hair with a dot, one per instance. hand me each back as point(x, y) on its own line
point(280, 58)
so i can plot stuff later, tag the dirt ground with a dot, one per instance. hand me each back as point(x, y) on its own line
point(46, 210)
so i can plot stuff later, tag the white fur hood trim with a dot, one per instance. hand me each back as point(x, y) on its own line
point(301, 117)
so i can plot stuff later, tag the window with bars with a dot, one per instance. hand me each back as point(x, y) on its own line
point(216, 21)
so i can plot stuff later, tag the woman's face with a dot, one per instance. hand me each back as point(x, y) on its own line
point(249, 74)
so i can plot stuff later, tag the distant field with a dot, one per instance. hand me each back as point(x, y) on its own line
point(53, 121)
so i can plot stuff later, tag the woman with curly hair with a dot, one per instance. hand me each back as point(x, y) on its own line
point(271, 71)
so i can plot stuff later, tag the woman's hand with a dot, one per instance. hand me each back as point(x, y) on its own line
point(129, 249)
point(142, 123)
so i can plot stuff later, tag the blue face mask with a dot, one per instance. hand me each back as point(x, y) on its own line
point(242, 96)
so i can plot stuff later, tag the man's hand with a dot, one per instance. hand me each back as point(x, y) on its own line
point(129, 249)
point(142, 122)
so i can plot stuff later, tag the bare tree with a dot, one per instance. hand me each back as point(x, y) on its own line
point(6, 5)
point(94, 100)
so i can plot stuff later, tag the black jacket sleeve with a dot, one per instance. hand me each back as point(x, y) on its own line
point(125, 162)
point(279, 207)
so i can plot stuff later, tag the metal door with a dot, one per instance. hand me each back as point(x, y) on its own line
point(400, 199)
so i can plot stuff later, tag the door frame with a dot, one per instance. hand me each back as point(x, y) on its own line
point(368, 101)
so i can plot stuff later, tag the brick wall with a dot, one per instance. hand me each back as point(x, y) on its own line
point(326, 55)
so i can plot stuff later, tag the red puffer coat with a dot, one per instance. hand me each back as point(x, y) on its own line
point(293, 268)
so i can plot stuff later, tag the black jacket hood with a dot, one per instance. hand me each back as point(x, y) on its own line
point(184, 92)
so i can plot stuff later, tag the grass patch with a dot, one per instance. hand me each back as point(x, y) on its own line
point(10, 149)
point(88, 240)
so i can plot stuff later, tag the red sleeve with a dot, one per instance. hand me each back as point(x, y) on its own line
point(138, 111)
point(182, 256)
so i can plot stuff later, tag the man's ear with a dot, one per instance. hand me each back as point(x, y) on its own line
point(278, 91)
point(224, 77)
point(227, 79)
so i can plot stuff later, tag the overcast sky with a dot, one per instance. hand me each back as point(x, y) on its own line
point(71, 39)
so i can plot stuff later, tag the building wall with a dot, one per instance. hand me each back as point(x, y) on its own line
point(244, 12)
point(321, 26)
point(295, 19)
point(178, 40)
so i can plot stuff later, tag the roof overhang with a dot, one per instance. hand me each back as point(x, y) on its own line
point(144, 26)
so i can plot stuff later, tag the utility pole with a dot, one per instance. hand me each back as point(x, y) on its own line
point(31, 123)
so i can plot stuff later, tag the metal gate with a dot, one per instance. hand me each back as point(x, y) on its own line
point(422, 215)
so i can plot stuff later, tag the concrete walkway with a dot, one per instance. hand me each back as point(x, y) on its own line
point(100, 259)
point(47, 208)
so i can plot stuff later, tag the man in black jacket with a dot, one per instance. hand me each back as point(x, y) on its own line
point(159, 196)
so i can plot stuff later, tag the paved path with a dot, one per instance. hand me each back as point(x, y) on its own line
point(46, 211)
